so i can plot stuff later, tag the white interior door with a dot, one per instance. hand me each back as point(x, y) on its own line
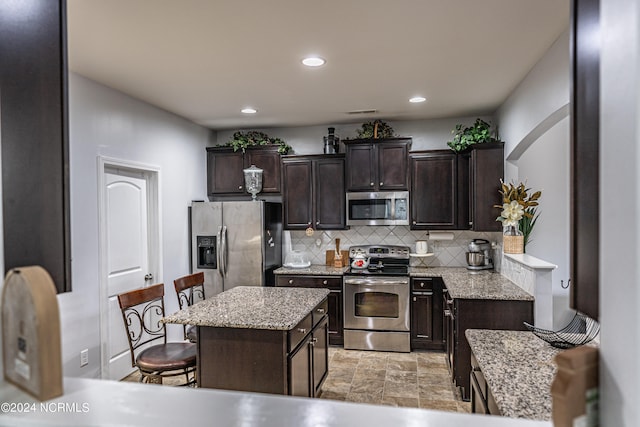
point(127, 256)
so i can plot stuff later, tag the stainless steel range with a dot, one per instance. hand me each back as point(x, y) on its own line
point(376, 299)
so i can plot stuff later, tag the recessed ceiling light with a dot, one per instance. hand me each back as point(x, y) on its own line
point(249, 110)
point(313, 61)
point(417, 99)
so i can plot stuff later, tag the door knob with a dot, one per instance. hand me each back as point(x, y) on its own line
point(148, 277)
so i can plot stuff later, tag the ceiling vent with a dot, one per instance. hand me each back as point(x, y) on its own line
point(362, 112)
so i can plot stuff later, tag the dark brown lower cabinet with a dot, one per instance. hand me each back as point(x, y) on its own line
point(463, 314)
point(426, 313)
point(334, 310)
point(309, 363)
point(293, 362)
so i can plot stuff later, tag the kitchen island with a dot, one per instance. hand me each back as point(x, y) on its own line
point(319, 276)
point(270, 340)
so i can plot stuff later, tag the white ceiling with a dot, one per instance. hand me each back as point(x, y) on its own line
point(207, 59)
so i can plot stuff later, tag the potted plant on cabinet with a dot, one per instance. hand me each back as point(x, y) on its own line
point(466, 136)
point(242, 140)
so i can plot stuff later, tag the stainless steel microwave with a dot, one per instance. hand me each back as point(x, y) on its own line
point(378, 208)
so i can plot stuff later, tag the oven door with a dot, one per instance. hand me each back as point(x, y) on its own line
point(376, 303)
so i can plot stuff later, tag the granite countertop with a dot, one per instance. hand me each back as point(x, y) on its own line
point(484, 284)
point(313, 270)
point(252, 307)
point(519, 369)
point(460, 282)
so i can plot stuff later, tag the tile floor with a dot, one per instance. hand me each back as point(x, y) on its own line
point(418, 379)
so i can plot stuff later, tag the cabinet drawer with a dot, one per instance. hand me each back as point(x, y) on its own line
point(422, 284)
point(319, 312)
point(302, 281)
point(301, 330)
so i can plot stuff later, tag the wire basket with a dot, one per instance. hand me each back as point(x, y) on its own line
point(581, 330)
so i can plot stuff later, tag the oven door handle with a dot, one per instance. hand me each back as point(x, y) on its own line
point(376, 281)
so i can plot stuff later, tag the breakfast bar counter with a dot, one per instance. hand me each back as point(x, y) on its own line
point(515, 371)
point(260, 339)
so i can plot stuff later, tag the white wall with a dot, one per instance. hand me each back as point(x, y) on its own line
point(425, 134)
point(534, 124)
point(620, 213)
point(545, 166)
point(104, 122)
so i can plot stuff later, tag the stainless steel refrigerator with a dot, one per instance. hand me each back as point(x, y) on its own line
point(236, 243)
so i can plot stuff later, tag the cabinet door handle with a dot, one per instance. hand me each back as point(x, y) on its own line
point(291, 281)
point(371, 184)
point(415, 299)
point(422, 284)
point(317, 222)
point(239, 187)
point(414, 223)
point(320, 310)
point(302, 330)
point(324, 282)
point(449, 301)
point(381, 184)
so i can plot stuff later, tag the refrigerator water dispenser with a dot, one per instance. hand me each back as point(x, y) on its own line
point(207, 257)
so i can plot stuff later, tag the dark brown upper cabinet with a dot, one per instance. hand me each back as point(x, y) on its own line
point(35, 141)
point(313, 192)
point(434, 190)
point(225, 166)
point(485, 170)
point(585, 167)
point(378, 164)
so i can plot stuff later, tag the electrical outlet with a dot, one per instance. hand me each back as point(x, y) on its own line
point(84, 357)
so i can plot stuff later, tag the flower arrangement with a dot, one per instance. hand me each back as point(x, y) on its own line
point(519, 209)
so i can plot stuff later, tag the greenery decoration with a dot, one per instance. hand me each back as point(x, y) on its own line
point(519, 208)
point(242, 140)
point(464, 137)
point(375, 129)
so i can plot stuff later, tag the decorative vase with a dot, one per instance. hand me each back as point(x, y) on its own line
point(512, 240)
point(253, 181)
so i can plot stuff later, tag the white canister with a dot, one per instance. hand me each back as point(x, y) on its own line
point(421, 247)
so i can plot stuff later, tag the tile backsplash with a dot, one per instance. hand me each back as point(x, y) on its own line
point(447, 253)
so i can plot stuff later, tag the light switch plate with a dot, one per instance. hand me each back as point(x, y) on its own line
point(84, 357)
